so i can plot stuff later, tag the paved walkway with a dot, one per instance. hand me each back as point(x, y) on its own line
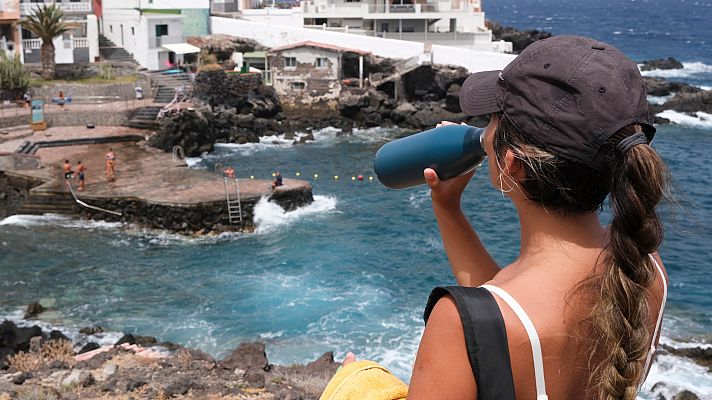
point(141, 171)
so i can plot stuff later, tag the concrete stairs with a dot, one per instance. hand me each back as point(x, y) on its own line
point(166, 85)
point(145, 118)
point(39, 203)
point(111, 52)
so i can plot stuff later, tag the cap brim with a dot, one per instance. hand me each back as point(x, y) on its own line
point(478, 95)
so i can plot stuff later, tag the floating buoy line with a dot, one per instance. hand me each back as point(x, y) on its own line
point(354, 178)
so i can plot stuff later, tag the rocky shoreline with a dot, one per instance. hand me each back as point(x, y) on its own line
point(41, 364)
point(233, 108)
point(37, 363)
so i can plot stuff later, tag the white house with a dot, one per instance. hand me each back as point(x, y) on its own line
point(81, 44)
point(455, 23)
point(154, 31)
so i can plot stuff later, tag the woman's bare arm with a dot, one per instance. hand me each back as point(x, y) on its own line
point(471, 264)
point(442, 370)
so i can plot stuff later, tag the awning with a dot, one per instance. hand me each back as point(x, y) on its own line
point(181, 48)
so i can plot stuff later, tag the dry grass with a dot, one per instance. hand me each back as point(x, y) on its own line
point(54, 350)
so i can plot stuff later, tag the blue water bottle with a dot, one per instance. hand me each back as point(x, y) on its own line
point(451, 150)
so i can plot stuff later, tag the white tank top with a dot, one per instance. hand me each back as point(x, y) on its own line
point(536, 344)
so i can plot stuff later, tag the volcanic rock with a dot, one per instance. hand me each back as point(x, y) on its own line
point(661, 63)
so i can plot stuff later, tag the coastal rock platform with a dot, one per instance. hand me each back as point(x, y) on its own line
point(151, 188)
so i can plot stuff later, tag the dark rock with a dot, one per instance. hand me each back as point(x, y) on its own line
point(56, 364)
point(91, 330)
point(57, 335)
point(520, 39)
point(247, 356)
point(5, 352)
point(134, 384)
point(290, 393)
point(17, 338)
point(662, 87)
point(432, 114)
point(452, 99)
point(324, 365)
point(255, 378)
point(661, 63)
point(20, 379)
point(350, 104)
point(690, 102)
point(244, 92)
point(686, 395)
point(702, 356)
point(89, 347)
point(33, 309)
point(179, 387)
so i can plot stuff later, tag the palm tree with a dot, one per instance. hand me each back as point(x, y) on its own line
point(47, 22)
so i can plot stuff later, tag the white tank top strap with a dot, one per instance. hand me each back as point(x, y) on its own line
point(659, 323)
point(533, 338)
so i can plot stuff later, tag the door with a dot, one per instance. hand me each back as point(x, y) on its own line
point(122, 35)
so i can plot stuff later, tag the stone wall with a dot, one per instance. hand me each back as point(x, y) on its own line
point(14, 190)
point(189, 219)
point(122, 90)
point(15, 120)
point(81, 118)
point(79, 70)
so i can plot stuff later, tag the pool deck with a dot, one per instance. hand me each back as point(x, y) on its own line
point(143, 174)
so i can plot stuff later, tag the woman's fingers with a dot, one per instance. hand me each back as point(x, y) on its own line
point(431, 177)
point(350, 357)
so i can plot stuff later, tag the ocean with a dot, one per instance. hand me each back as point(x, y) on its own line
point(353, 270)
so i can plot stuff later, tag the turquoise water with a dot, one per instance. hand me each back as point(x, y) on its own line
point(350, 272)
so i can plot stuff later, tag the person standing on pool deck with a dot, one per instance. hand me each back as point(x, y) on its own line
point(577, 314)
point(81, 170)
point(110, 165)
point(67, 170)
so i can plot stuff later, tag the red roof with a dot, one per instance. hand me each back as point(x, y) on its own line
point(320, 46)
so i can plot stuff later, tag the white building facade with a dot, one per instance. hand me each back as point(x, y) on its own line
point(149, 29)
point(455, 23)
point(79, 45)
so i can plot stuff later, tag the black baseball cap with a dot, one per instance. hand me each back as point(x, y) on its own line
point(569, 93)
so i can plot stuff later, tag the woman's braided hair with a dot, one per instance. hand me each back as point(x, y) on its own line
point(636, 181)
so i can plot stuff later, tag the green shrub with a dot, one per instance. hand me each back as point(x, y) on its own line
point(14, 80)
point(106, 71)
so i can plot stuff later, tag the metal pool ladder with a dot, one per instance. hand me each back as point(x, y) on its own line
point(234, 206)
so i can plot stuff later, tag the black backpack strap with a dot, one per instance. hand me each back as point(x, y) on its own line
point(485, 339)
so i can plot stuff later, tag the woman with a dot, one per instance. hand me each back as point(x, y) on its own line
point(577, 314)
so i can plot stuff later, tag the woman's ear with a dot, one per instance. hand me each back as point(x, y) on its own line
point(513, 166)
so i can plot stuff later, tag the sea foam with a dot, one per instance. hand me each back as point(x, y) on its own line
point(270, 216)
point(57, 220)
point(689, 69)
point(700, 119)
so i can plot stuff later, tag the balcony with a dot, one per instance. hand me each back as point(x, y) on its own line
point(157, 42)
point(356, 9)
point(474, 40)
point(71, 43)
point(69, 8)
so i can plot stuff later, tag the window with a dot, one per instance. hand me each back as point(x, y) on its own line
point(161, 30)
point(297, 85)
point(111, 28)
point(133, 33)
point(322, 62)
point(290, 62)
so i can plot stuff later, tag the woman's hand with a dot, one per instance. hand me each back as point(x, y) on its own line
point(446, 193)
point(350, 357)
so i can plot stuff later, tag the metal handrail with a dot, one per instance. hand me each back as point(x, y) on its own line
point(83, 204)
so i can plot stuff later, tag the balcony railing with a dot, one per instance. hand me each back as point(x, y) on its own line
point(31, 44)
point(159, 41)
point(81, 7)
point(443, 38)
point(311, 7)
point(71, 43)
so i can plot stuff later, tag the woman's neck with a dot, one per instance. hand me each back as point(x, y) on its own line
point(544, 231)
